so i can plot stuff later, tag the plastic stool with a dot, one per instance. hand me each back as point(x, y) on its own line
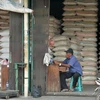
point(79, 86)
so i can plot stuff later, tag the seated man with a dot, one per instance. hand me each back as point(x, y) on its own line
point(74, 69)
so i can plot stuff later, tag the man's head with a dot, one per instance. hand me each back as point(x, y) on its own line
point(69, 52)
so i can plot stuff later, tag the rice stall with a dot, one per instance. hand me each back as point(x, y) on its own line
point(75, 24)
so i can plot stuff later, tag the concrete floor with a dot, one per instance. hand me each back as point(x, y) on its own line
point(88, 90)
point(86, 94)
point(54, 98)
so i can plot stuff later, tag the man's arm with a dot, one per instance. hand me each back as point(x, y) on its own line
point(61, 64)
point(64, 65)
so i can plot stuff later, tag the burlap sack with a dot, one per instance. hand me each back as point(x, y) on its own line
point(74, 46)
point(95, 20)
point(89, 43)
point(87, 2)
point(94, 59)
point(53, 19)
point(74, 8)
point(52, 24)
point(59, 58)
point(88, 54)
point(80, 24)
point(91, 8)
point(60, 38)
point(86, 29)
point(73, 18)
point(94, 49)
point(86, 13)
point(61, 43)
point(69, 33)
point(69, 2)
point(89, 73)
point(89, 68)
point(74, 40)
point(60, 48)
point(69, 13)
point(59, 54)
point(88, 63)
point(93, 39)
point(89, 78)
point(88, 82)
point(86, 34)
point(72, 29)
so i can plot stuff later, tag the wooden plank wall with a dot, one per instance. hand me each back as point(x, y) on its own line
point(16, 46)
point(40, 35)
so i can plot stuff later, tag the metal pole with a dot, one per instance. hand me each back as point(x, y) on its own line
point(16, 69)
point(32, 60)
point(26, 50)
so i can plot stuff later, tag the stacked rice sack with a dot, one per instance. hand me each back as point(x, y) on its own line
point(54, 26)
point(4, 44)
point(61, 44)
point(4, 20)
point(4, 34)
point(75, 45)
point(80, 18)
point(54, 29)
point(58, 44)
point(89, 61)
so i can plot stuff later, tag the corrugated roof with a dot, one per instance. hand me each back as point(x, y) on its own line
point(9, 6)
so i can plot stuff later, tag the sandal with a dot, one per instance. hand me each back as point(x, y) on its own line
point(64, 90)
point(72, 90)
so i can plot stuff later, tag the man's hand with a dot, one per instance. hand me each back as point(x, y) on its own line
point(61, 64)
point(56, 62)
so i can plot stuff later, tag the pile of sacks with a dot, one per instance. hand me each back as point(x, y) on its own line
point(54, 26)
point(4, 44)
point(89, 59)
point(61, 44)
point(80, 24)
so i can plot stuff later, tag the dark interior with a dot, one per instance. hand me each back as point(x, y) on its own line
point(56, 8)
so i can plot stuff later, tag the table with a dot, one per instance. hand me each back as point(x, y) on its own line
point(53, 78)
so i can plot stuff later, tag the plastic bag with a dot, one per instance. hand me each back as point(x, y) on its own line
point(14, 6)
point(36, 91)
point(46, 59)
